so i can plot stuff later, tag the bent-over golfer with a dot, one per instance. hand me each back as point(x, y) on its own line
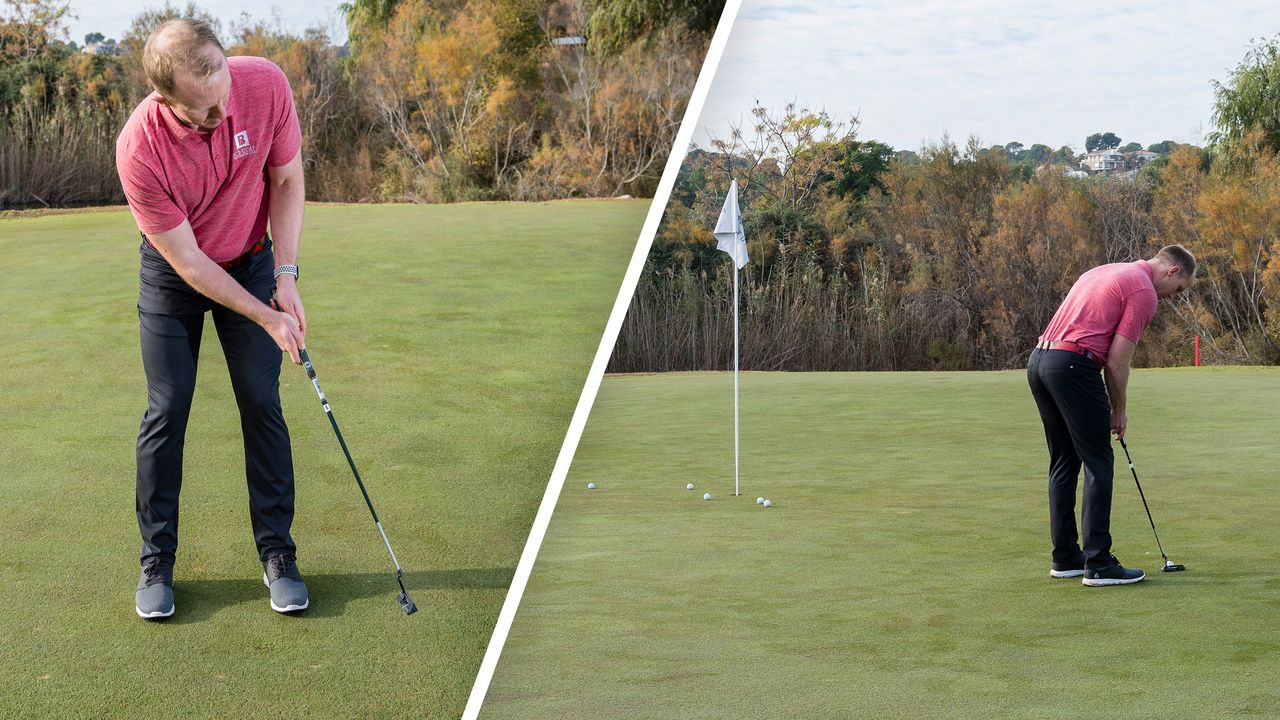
point(1092, 336)
point(207, 161)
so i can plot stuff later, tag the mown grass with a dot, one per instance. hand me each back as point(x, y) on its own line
point(452, 342)
point(903, 572)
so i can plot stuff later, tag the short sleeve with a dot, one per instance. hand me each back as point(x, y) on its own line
point(1139, 308)
point(153, 207)
point(286, 135)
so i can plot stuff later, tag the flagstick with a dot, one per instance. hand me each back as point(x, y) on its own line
point(735, 375)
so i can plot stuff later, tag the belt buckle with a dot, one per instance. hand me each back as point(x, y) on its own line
point(236, 262)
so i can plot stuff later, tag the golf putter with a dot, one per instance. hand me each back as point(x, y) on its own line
point(1169, 565)
point(406, 602)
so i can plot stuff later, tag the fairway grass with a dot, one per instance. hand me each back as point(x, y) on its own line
point(903, 571)
point(452, 342)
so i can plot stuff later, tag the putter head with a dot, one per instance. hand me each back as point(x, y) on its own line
point(406, 603)
point(1170, 566)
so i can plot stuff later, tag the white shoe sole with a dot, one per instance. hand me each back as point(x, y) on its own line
point(1104, 582)
point(154, 615)
point(1066, 573)
point(287, 608)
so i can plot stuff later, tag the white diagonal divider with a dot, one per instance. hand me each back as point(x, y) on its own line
point(592, 386)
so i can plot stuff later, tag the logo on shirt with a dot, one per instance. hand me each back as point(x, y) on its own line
point(243, 147)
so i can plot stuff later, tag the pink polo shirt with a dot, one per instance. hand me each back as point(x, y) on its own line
point(1109, 300)
point(217, 179)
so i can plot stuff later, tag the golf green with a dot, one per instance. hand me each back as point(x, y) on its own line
point(903, 569)
point(452, 342)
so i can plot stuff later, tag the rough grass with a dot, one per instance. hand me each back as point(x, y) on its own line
point(903, 571)
point(452, 342)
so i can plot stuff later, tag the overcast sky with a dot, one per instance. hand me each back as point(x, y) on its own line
point(1047, 72)
point(112, 17)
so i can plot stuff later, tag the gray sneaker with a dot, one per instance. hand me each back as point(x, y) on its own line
point(154, 599)
point(281, 576)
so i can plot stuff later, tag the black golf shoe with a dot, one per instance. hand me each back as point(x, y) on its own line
point(1068, 569)
point(288, 592)
point(154, 598)
point(1112, 573)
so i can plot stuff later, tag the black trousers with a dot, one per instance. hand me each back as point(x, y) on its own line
point(1072, 398)
point(171, 320)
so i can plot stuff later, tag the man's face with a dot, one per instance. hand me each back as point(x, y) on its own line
point(1173, 282)
point(201, 102)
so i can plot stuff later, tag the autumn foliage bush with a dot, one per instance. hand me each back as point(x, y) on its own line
point(956, 261)
point(430, 101)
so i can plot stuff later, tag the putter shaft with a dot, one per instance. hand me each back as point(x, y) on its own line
point(1167, 562)
point(324, 402)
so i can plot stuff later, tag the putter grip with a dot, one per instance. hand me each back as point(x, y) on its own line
point(306, 363)
point(311, 373)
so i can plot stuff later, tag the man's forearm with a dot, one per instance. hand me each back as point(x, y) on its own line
point(1117, 380)
point(284, 211)
point(214, 283)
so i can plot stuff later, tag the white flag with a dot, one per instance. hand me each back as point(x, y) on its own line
point(729, 234)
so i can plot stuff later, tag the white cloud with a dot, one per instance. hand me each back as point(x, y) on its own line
point(1032, 72)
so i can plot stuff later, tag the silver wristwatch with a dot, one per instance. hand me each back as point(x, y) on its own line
point(287, 270)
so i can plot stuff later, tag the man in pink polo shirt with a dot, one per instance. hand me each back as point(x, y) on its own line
point(206, 162)
point(1092, 336)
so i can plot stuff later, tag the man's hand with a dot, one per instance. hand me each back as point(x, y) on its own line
point(287, 300)
point(1119, 421)
point(178, 247)
point(284, 329)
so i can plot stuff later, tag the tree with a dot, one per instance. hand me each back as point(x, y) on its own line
point(1101, 141)
point(1164, 147)
point(1063, 156)
point(1040, 242)
point(614, 24)
point(29, 26)
point(859, 167)
point(1131, 147)
point(906, 157)
point(1250, 100)
point(93, 37)
point(796, 146)
point(1037, 154)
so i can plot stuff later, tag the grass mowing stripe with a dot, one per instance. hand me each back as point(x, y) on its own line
point(452, 342)
point(903, 571)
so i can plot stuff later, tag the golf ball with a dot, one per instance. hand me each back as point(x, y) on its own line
point(706, 496)
point(759, 501)
point(689, 486)
point(768, 503)
point(591, 486)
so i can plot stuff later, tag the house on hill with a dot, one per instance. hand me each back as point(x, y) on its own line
point(1140, 157)
point(1106, 160)
point(102, 48)
point(1111, 160)
point(1064, 170)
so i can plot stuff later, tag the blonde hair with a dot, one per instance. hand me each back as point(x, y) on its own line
point(179, 45)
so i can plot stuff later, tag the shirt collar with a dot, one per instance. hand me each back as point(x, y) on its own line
point(176, 127)
point(1151, 272)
